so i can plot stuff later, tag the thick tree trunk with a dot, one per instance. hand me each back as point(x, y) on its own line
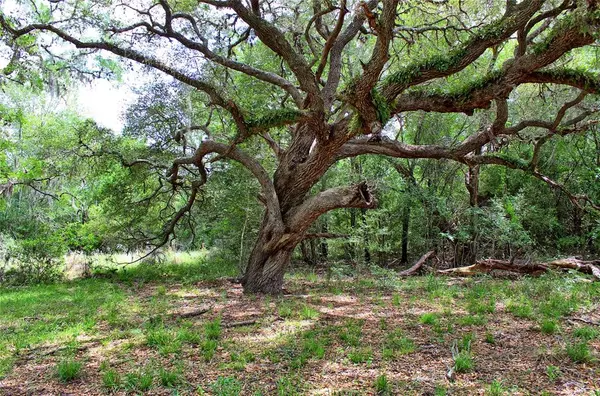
point(266, 270)
point(278, 236)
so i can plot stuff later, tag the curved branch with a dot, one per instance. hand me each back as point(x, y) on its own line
point(357, 196)
point(232, 152)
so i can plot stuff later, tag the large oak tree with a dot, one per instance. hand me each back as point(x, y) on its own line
point(336, 77)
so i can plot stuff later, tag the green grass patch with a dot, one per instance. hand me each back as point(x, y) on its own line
point(579, 352)
point(548, 326)
point(360, 355)
point(586, 333)
point(429, 318)
point(68, 370)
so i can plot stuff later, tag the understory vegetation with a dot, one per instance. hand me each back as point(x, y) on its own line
point(152, 328)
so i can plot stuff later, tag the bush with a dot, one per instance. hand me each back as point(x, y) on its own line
point(33, 261)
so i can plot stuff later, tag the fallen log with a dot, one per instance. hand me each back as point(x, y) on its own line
point(413, 270)
point(241, 323)
point(489, 265)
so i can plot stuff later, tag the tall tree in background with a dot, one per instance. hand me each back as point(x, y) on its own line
point(321, 82)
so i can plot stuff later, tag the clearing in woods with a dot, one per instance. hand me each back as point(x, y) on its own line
point(183, 329)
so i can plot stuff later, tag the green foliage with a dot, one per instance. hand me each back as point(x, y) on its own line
point(140, 381)
point(463, 362)
point(496, 388)
point(587, 333)
point(212, 329)
point(274, 119)
point(169, 378)
point(360, 355)
point(396, 343)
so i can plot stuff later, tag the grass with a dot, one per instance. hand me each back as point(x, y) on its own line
point(396, 343)
point(111, 379)
point(382, 385)
point(360, 355)
point(463, 362)
point(496, 388)
point(212, 329)
point(169, 378)
point(354, 328)
point(226, 386)
point(351, 333)
point(548, 326)
point(587, 333)
point(553, 372)
point(579, 352)
point(141, 381)
point(429, 318)
point(68, 370)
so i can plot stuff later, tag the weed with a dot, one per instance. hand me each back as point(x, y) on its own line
point(490, 338)
point(208, 348)
point(163, 339)
point(463, 362)
point(212, 329)
point(308, 313)
point(472, 320)
point(169, 378)
point(286, 387)
point(520, 310)
point(586, 333)
point(397, 344)
point(285, 310)
point(140, 381)
point(465, 343)
point(351, 333)
point(189, 336)
point(496, 388)
point(396, 300)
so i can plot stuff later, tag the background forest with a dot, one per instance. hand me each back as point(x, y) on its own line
point(65, 188)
